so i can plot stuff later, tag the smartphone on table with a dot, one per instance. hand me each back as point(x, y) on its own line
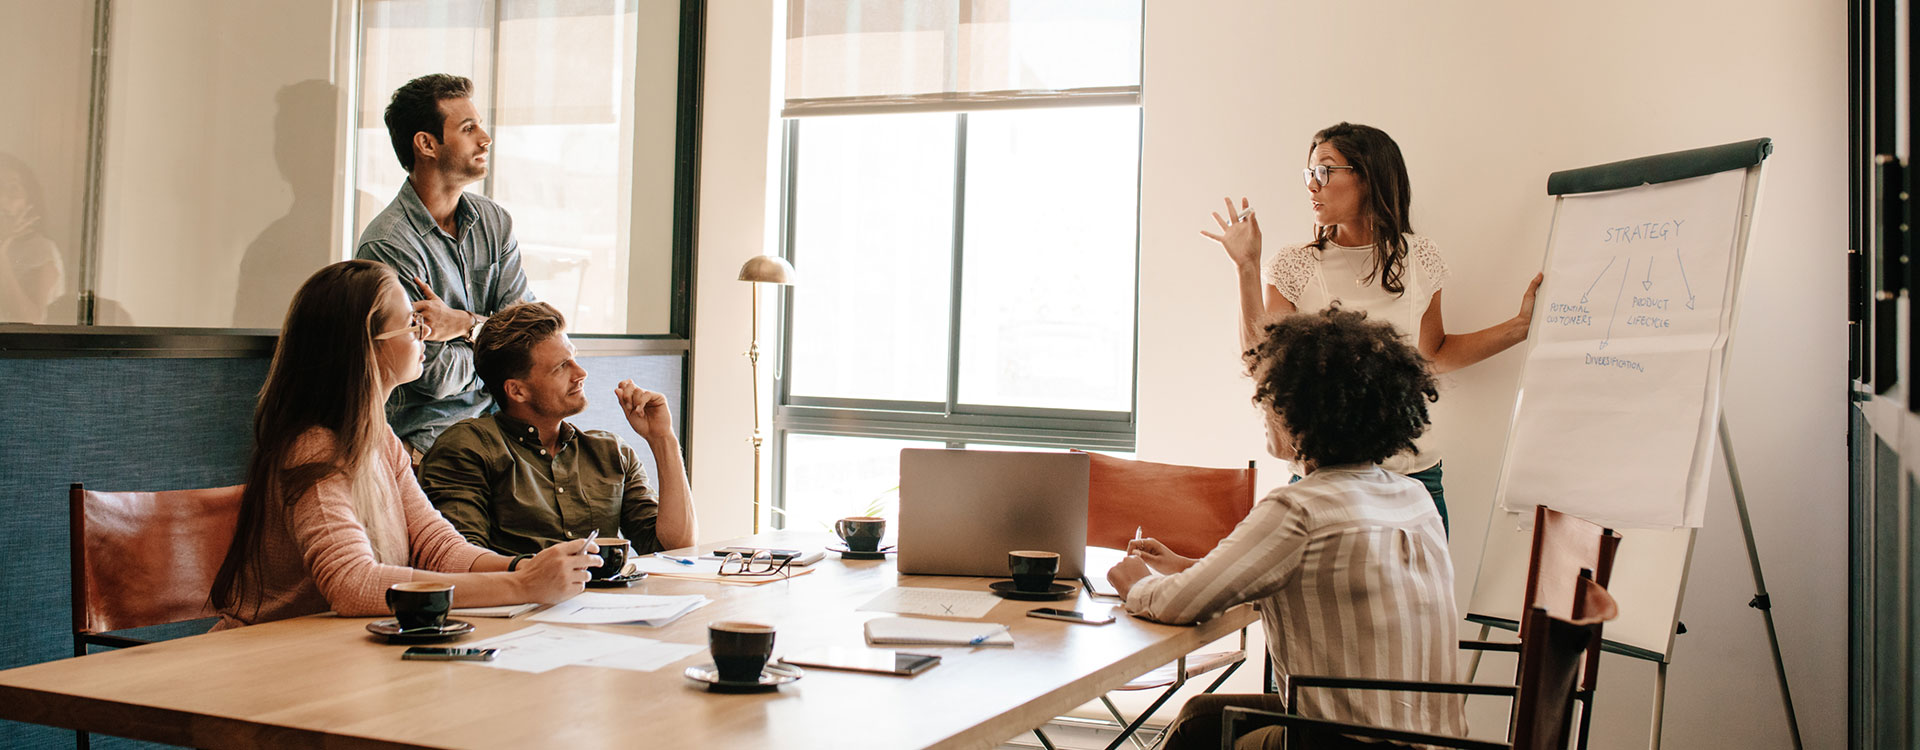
point(876, 660)
point(434, 653)
point(1069, 615)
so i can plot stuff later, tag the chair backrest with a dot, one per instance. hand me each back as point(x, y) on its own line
point(147, 558)
point(1550, 665)
point(1564, 545)
point(1188, 508)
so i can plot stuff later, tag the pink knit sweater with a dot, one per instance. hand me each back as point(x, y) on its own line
point(316, 556)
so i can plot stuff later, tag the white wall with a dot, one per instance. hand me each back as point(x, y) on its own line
point(737, 220)
point(221, 160)
point(1486, 99)
point(44, 125)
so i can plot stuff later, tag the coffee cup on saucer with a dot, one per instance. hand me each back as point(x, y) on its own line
point(420, 605)
point(613, 557)
point(1033, 570)
point(861, 533)
point(740, 649)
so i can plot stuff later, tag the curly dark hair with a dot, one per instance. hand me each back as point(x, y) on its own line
point(1348, 389)
point(504, 349)
point(415, 108)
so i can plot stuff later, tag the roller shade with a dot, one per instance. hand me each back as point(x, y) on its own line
point(850, 56)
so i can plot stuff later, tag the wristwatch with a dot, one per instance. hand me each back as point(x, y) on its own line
point(473, 334)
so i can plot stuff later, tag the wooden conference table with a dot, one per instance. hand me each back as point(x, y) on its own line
point(323, 681)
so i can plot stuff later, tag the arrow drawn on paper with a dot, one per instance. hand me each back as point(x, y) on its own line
point(1683, 277)
point(1596, 279)
point(1628, 271)
point(1648, 284)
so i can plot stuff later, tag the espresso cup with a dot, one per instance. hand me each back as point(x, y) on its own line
point(613, 557)
point(1033, 570)
point(740, 649)
point(420, 604)
point(861, 533)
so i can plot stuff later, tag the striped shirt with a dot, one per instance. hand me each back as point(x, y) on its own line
point(1351, 572)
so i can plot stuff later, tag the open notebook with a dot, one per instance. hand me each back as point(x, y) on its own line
point(924, 632)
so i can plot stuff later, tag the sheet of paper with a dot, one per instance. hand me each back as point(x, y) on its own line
point(645, 658)
point(660, 565)
point(933, 602)
point(595, 608)
point(1618, 398)
point(1099, 561)
point(542, 647)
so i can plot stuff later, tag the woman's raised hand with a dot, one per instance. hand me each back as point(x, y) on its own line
point(1239, 234)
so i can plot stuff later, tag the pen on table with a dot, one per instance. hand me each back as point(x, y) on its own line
point(983, 638)
point(671, 558)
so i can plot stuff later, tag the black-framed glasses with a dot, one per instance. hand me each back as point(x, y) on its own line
point(760, 563)
point(415, 326)
point(1320, 174)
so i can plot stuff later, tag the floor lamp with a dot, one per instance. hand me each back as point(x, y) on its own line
point(760, 269)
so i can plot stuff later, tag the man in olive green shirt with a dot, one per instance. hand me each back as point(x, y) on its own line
point(522, 479)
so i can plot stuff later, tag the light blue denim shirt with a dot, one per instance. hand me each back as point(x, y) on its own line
point(477, 270)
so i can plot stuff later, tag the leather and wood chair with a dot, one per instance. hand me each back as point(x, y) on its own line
point(1188, 508)
point(142, 559)
point(1552, 659)
point(1563, 545)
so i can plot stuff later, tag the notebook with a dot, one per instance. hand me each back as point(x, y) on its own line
point(799, 557)
point(504, 610)
point(925, 632)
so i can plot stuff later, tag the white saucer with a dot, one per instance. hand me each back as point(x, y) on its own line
point(772, 677)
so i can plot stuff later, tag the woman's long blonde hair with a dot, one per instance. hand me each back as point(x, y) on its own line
point(325, 374)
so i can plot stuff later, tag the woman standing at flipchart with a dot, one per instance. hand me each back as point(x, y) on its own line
point(1363, 256)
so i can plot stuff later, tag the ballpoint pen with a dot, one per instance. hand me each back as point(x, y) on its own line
point(671, 558)
point(984, 638)
point(1136, 532)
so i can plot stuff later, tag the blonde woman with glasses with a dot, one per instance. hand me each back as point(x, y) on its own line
point(1363, 256)
point(331, 515)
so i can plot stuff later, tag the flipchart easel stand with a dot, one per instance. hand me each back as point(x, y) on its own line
point(1672, 550)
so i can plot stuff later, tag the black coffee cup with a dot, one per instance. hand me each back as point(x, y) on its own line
point(1033, 570)
point(861, 533)
point(418, 605)
point(740, 649)
point(613, 557)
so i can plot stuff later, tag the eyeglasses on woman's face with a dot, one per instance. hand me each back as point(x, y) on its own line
point(1319, 175)
point(415, 326)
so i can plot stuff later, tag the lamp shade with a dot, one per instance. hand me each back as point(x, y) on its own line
point(767, 269)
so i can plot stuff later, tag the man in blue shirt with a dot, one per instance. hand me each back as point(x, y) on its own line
point(455, 248)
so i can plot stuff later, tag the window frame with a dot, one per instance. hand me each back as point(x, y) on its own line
point(951, 421)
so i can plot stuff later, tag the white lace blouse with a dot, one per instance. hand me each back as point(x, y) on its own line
point(1314, 279)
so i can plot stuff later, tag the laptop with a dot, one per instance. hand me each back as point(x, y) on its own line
point(962, 511)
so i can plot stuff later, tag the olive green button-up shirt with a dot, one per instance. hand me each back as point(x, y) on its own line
point(497, 484)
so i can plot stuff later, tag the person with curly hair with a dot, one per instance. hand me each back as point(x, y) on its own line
point(1349, 565)
point(1365, 256)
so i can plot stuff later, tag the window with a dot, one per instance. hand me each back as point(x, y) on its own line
point(556, 87)
point(967, 243)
